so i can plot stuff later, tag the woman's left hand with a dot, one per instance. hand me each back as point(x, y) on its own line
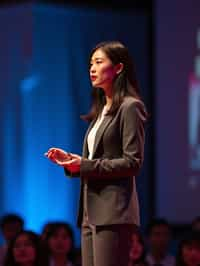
point(73, 164)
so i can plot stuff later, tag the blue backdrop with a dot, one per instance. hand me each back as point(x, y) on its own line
point(45, 88)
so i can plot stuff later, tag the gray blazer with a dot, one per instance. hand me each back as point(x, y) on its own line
point(110, 174)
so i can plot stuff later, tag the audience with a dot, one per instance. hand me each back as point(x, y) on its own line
point(137, 251)
point(60, 244)
point(25, 250)
point(55, 245)
point(188, 253)
point(46, 229)
point(10, 225)
point(159, 236)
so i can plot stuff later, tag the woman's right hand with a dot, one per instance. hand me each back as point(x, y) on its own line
point(57, 155)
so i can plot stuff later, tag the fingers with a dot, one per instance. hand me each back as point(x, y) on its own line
point(55, 151)
point(75, 156)
point(62, 158)
point(68, 163)
point(50, 156)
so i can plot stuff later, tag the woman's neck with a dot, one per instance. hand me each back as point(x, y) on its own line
point(108, 101)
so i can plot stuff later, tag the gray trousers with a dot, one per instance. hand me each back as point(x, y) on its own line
point(107, 245)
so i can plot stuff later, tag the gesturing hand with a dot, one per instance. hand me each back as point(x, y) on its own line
point(57, 155)
point(73, 164)
point(70, 161)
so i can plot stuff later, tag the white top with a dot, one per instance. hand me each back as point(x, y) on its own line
point(93, 131)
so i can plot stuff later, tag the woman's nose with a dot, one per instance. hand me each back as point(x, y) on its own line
point(92, 69)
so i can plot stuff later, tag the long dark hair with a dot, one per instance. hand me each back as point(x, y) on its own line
point(40, 259)
point(125, 83)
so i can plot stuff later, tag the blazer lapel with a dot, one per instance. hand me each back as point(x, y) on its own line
point(85, 146)
point(107, 119)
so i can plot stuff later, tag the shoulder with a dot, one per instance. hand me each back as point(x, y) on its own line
point(128, 100)
point(131, 102)
point(133, 106)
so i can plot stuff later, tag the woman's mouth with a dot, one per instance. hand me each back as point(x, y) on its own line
point(93, 78)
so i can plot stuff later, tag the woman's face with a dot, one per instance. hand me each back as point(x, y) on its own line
point(60, 242)
point(136, 248)
point(191, 255)
point(24, 250)
point(102, 71)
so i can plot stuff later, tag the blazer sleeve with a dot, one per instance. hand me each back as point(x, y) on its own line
point(132, 139)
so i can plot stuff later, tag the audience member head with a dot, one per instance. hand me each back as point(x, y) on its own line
point(188, 253)
point(11, 225)
point(59, 241)
point(159, 236)
point(25, 250)
point(137, 250)
point(46, 229)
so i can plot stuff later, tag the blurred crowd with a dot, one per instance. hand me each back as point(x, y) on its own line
point(55, 245)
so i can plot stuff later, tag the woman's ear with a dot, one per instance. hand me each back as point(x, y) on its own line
point(119, 67)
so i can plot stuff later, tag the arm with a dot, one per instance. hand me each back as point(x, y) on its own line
point(132, 134)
